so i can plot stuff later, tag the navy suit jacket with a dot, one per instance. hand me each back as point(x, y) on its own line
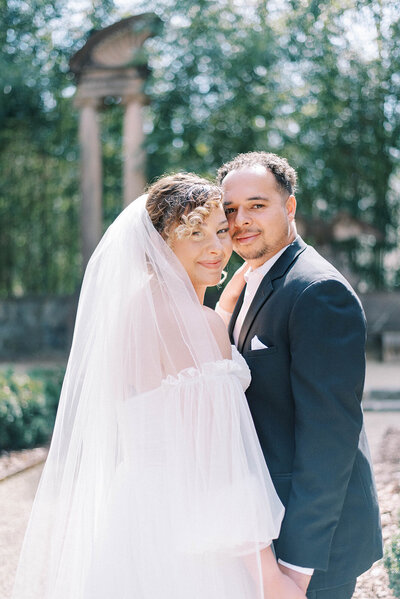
point(305, 399)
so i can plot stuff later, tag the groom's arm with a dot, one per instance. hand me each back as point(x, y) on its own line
point(327, 338)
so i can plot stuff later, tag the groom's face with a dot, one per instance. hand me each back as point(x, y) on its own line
point(259, 213)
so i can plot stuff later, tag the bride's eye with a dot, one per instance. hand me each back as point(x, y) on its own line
point(196, 234)
point(222, 231)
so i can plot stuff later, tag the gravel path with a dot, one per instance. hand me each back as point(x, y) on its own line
point(374, 583)
point(16, 496)
point(17, 493)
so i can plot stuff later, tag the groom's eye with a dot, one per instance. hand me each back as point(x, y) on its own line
point(229, 210)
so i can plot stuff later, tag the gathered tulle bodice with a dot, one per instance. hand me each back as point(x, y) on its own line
point(236, 366)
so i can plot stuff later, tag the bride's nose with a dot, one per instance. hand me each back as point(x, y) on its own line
point(216, 246)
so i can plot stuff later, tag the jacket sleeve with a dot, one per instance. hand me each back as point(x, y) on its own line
point(327, 344)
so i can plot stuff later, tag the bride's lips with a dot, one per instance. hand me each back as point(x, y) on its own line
point(211, 264)
point(247, 238)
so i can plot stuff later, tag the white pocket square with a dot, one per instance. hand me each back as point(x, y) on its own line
point(257, 344)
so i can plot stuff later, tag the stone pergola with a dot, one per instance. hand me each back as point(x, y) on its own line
point(111, 63)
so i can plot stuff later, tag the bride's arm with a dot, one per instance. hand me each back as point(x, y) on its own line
point(219, 331)
point(233, 289)
point(276, 584)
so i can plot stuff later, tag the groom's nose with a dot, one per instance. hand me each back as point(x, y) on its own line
point(242, 217)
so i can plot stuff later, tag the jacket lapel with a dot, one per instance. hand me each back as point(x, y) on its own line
point(261, 296)
point(234, 316)
point(265, 289)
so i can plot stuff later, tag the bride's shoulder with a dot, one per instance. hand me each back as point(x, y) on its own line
point(219, 331)
point(215, 321)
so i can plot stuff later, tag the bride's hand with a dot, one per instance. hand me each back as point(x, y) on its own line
point(233, 289)
point(277, 585)
point(286, 588)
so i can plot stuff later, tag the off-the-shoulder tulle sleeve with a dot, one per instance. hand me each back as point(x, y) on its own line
point(237, 366)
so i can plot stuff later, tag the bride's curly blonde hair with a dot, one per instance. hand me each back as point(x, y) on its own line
point(178, 204)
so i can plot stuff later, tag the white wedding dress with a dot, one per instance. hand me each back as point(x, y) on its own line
point(188, 512)
point(155, 486)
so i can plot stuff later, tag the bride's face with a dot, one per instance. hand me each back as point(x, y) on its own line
point(206, 251)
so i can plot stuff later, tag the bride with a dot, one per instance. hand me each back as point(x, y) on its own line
point(155, 485)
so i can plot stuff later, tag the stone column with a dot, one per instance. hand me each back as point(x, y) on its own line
point(134, 156)
point(91, 177)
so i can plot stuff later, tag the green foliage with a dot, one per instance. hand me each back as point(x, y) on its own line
point(28, 406)
point(294, 80)
point(214, 85)
point(348, 129)
point(317, 82)
point(22, 412)
point(392, 564)
point(39, 156)
point(111, 121)
point(52, 379)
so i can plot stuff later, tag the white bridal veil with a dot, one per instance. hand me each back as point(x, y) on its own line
point(155, 485)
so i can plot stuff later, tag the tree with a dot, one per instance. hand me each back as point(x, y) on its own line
point(227, 76)
point(39, 183)
point(213, 85)
point(294, 80)
point(346, 107)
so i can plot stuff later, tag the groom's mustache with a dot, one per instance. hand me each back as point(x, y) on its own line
point(245, 232)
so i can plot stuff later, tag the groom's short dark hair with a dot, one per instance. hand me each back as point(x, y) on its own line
point(284, 174)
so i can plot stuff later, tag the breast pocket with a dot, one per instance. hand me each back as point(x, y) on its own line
point(259, 353)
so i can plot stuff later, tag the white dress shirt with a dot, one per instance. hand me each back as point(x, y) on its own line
point(253, 279)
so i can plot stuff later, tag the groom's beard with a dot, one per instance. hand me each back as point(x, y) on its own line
point(261, 248)
point(257, 250)
point(251, 255)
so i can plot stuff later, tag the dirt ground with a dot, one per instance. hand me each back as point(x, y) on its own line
point(383, 429)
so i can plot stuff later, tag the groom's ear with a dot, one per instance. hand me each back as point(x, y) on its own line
point(291, 207)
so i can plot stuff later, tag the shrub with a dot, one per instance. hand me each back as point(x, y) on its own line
point(392, 564)
point(28, 405)
point(52, 379)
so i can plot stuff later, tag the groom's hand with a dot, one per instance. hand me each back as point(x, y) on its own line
point(302, 580)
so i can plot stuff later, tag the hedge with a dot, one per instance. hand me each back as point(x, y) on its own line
point(28, 405)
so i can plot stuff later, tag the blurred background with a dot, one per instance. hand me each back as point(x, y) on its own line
point(315, 81)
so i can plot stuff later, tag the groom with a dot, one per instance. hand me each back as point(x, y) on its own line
point(301, 329)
